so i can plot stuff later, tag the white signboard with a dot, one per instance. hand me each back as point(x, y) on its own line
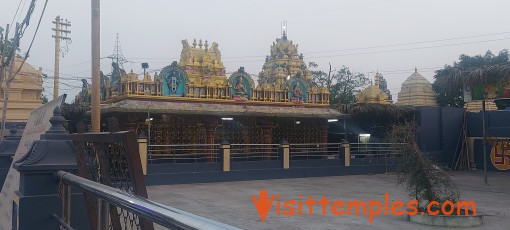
point(38, 123)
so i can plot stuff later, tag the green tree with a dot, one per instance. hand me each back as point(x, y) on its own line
point(44, 98)
point(7, 45)
point(469, 71)
point(342, 84)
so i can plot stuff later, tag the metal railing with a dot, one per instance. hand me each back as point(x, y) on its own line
point(254, 152)
point(190, 153)
point(374, 150)
point(316, 151)
point(163, 215)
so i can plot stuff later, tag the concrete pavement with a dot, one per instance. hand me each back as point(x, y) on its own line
point(231, 202)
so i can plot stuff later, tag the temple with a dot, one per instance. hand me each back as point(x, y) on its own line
point(376, 93)
point(25, 92)
point(192, 101)
point(416, 91)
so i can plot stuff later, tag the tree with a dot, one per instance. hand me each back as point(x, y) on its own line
point(469, 71)
point(424, 181)
point(342, 85)
point(7, 44)
point(44, 98)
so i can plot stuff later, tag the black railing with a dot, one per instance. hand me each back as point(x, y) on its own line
point(316, 151)
point(106, 196)
point(254, 152)
point(190, 153)
point(375, 150)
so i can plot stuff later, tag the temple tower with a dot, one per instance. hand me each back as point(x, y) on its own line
point(25, 92)
point(416, 91)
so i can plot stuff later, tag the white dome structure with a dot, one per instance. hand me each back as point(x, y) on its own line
point(416, 91)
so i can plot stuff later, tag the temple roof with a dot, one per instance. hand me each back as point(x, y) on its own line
point(372, 95)
point(284, 48)
point(417, 91)
point(220, 109)
point(383, 85)
point(283, 63)
point(27, 74)
point(202, 60)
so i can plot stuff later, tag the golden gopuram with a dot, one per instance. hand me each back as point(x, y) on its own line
point(376, 93)
point(193, 101)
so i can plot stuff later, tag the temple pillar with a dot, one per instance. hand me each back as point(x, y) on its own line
point(324, 128)
point(267, 137)
point(210, 136)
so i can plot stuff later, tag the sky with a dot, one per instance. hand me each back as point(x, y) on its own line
point(389, 36)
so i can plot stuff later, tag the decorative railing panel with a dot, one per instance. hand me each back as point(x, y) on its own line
point(112, 159)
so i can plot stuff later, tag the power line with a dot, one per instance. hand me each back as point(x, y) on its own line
point(340, 50)
point(361, 53)
point(17, 9)
point(22, 8)
point(407, 49)
point(409, 43)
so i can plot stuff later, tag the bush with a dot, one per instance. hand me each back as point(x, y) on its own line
point(424, 181)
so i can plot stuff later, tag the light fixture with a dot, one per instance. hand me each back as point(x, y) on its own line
point(332, 120)
point(288, 77)
point(298, 122)
point(364, 134)
point(227, 118)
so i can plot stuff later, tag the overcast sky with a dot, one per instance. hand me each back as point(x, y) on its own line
point(389, 36)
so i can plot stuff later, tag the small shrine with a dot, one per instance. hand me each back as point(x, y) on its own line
point(416, 91)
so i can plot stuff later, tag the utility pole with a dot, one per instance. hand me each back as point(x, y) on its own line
point(95, 40)
point(61, 33)
point(3, 54)
point(10, 77)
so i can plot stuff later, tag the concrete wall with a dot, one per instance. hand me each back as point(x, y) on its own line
point(497, 125)
point(439, 131)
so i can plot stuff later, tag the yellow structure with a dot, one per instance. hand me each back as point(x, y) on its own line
point(373, 95)
point(25, 92)
point(200, 76)
point(416, 91)
point(477, 105)
point(285, 70)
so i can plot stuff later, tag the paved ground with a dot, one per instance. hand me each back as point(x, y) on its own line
point(231, 202)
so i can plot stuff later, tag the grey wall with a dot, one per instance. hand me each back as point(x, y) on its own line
point(438, 132)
